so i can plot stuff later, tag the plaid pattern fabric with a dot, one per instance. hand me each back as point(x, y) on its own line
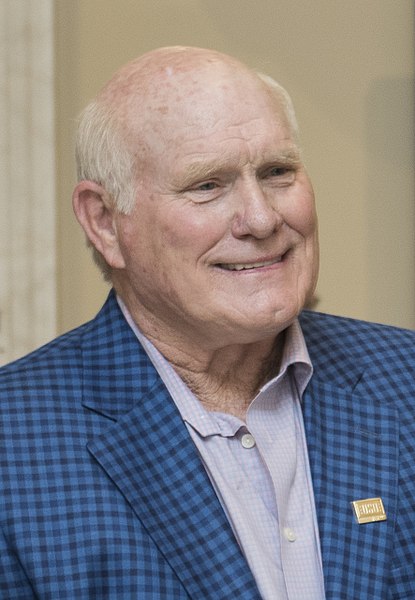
point(102, 493)
point(359, 413)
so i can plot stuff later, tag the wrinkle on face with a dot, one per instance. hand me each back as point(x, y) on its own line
point(197, 115)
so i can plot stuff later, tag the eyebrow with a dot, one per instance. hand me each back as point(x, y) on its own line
point(203, 170)
point(291, 156)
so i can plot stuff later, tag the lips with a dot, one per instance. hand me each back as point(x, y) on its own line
point(249, 266)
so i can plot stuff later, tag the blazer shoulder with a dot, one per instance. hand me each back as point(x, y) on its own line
point(354, 334)
point(344, 348)
point(46, 365)
point(59, 358)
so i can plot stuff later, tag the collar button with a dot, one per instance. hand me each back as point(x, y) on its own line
point(248, 441)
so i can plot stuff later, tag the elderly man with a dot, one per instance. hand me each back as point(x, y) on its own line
point(197, 440)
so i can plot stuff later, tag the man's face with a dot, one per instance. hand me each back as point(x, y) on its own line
point(221, 247)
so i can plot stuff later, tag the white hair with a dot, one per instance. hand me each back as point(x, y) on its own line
point(103, 156)
point(284, 98)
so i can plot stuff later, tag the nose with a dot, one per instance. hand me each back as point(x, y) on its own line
point(256, 214)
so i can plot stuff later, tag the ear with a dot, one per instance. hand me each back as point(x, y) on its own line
point(94, 210)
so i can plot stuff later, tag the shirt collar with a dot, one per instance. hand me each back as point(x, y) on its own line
point(295, 356)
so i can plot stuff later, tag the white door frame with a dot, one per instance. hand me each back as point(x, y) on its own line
point(27, 177)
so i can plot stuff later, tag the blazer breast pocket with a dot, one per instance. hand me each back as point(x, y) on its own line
point(402, 583)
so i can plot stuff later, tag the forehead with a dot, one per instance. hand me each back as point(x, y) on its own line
point(215, 105)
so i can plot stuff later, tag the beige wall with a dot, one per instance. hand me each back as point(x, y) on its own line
point(349, 67)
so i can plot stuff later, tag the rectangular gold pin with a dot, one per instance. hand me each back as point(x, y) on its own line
point(369, 510)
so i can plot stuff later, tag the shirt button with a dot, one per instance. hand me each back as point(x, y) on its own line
point(289, 534)
point(248, 440)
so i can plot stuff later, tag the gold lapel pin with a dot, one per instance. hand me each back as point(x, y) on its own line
point(369, 510)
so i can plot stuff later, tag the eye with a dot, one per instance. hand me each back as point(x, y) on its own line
point(207, 186)
point(280, 175)
point(279, 171)
point(204, 191)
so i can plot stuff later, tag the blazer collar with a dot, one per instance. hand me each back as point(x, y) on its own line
point(148, 454)
point(116, 370)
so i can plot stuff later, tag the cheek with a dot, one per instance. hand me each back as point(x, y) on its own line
point(192, 230)
point(301, 216)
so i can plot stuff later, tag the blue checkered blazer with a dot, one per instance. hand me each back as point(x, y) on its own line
point(103, 494)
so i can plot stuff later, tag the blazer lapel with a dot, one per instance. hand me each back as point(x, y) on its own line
point(149, 455)
point(353, 450)
point(152, 460)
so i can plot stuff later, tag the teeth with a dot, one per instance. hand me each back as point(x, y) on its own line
point(244, 266)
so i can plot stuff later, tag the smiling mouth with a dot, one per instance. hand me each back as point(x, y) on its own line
point(249, 266)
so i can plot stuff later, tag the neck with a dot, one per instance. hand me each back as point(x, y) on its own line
point(227, 379)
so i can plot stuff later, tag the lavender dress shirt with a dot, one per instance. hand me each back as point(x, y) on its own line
point(260, 471)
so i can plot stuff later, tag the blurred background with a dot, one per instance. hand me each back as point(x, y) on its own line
point(349, 67)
